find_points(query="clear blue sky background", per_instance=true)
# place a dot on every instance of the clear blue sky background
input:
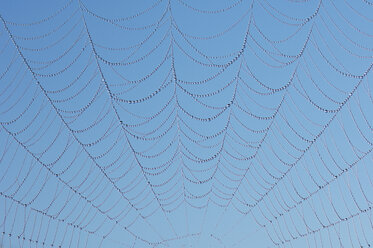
(186, 123)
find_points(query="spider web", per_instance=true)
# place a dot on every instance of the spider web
(175, 123)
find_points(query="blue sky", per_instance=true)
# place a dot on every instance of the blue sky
(186, 123)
